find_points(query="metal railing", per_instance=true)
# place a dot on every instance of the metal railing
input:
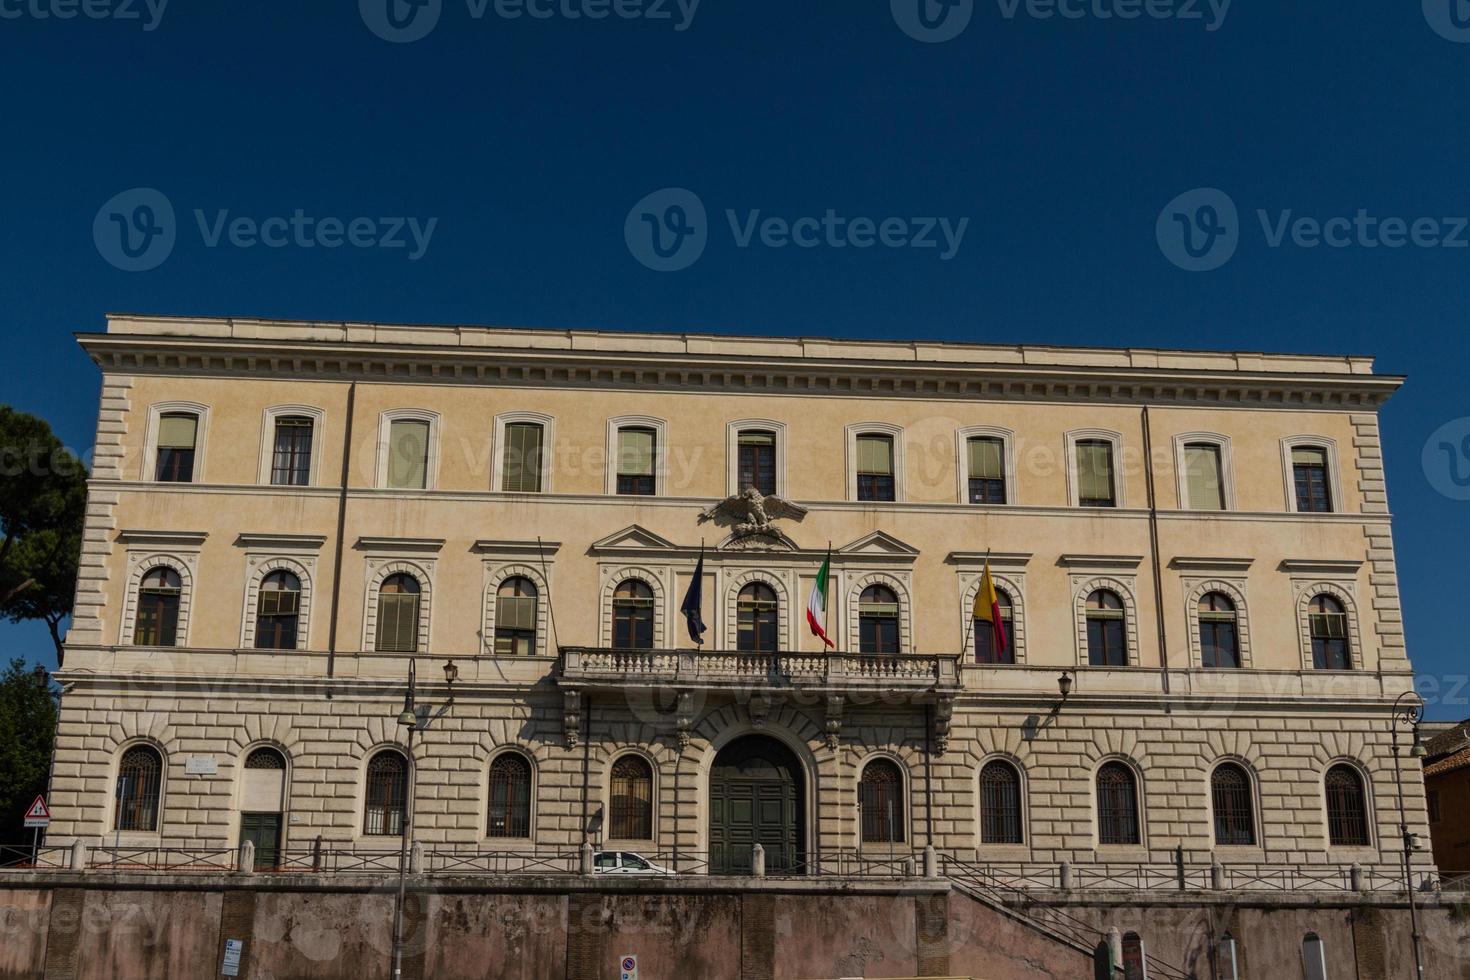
(49, 857)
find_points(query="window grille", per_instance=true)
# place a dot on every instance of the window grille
(139, 785)
(510, 797)
(880, 800)
(1117, 805)
(386, 795)
(1347, 808)
(1230, 795)
(1000, 803)
(632, 799)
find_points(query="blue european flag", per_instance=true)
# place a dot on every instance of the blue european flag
(693, 599)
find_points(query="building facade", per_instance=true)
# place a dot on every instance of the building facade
(1447, 794)
(1194, 547)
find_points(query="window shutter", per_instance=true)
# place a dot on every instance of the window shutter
(522, 458)
(875, 455)
(177, 431)
(1095, 470)
(515, 612)
(1202, 475)
(1310, 455)
(755, 438)
(408, 454)
(635, 452)
(985, 459)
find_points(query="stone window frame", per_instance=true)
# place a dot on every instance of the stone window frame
(496, 573)
(1334, 470)
(905, 788)
(895, 432)
(612, 577)
(511, 843)
(141, 563)
(431, 463)
(1234, 590)
(733, 429)
(113, 772)
(899, 585)
(410, 800)
(1124, 586)
(784, 611)
(1343, 591)
(149, 470)
(257, 567)
(266, 465)
(1022, 788)
(499, 443)
(378, 570)
(1007, 439)
(1120, 483)
(660, 429)
(655, 822)
(1014, 585)
(1227, 469)
(1253, 783)
(1140, 791)
(1370, 807)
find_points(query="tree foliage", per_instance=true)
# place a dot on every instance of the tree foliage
(27, 729)
(43, 498)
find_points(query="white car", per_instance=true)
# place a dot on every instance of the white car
(626, 863)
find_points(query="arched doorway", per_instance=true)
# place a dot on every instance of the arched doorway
(756, 796)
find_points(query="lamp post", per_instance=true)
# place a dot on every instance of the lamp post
(408, 718)
(1408, 713)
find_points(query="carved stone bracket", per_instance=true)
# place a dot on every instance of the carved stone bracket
(760, 708)
(833, 728)
(943, 712)
(684, 718)
(571, 717)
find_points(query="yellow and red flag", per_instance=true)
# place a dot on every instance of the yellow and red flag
(987, 608)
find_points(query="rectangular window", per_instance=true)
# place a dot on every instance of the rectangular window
(875, 467)
(515, 625)
(1433, 800)
(987, 471)
(408, 454)
(637, 451)
(1309, 469)
(1095, 487)
(291, 458)
(398, 623)
(522, 465)
(177, 432)
(1204, 485)
(757, 462)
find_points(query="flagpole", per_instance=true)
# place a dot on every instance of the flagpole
(699, 570)
(970, 617)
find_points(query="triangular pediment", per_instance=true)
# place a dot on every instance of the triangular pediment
(633, 537)
(879, 543)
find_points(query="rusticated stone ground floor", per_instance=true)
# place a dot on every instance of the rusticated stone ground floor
(159, 927)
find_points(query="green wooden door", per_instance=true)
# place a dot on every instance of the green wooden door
(264, 831)
(755, 798)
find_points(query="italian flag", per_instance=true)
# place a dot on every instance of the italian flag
(816, 603)
(987, 607)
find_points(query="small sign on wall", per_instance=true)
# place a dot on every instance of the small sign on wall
(234, 952)
(201, 765)
(628, 967)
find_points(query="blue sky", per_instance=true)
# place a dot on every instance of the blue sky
(528, 139)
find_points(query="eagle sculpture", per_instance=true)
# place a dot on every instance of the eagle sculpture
(751, 512)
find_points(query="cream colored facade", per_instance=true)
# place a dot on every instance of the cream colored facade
(327, 706)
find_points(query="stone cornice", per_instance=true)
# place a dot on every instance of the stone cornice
(1188, 563)
(395, 546)
(272, 541)
(162, 539)
(1321, 566)
(482, 356)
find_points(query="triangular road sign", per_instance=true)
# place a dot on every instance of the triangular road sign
(38, 810)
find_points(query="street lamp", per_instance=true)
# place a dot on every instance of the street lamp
(1408, 713)
(408, 718)
(1064, 684)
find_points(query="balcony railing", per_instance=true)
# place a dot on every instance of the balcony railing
(612, 667)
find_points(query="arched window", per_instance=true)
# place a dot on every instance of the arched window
(1230, 799)
(385, 800)
(756, 461)
(633, 616)
(398, 614)
(157, 624)
(1328, 623)
(1219, 631)
(632, 799)
(139, 787)
(1000, 803)
(757, 619)
(1117, 805)
(277, 612)
(1314, 957)
(880, 802)
(986, 651)
(1347, 807)
(1107, 633)
(515, 618)
(878, 620)
(510, 797)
